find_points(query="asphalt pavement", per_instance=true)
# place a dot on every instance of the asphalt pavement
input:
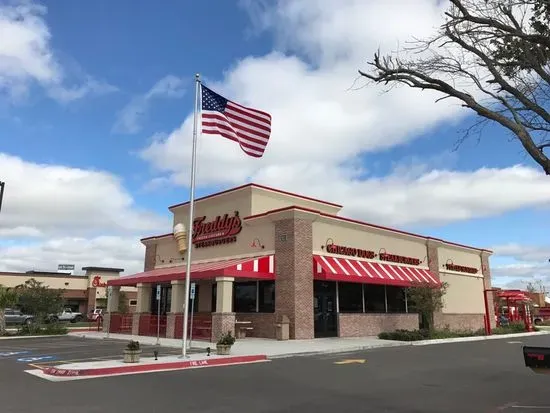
(484, 376)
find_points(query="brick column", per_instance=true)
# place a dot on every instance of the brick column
(433, 257)
(294, 270)
(223, 320)
(177, 302)
(150, 257)
(112, 307)
(486, 271)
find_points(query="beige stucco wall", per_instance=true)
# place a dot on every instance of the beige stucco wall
(371, 239)
(218, 205)
(459, 256)
(74, 282)
(464, 294)
(254, 232)
(264, 200)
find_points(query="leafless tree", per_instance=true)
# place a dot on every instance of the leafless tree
(493, 56)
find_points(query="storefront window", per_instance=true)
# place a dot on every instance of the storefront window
(244, 297)
(350, 297)
(266, 296)
(375, 298)
(396, 299)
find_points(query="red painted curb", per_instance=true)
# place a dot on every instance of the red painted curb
(176, 365)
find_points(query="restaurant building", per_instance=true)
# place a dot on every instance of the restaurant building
(82, 293)
(264, 258)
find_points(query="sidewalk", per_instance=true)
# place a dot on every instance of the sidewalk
(270, 348)
(290, 348)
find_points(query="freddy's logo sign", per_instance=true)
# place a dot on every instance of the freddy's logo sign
(96, 282)
(221, 230)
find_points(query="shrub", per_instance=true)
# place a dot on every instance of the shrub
(133, 346)
(226, 339)
(38, 330)
(424, 334)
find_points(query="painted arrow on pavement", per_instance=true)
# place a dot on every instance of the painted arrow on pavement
(351, 361)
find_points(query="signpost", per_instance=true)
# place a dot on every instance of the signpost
(158, 314)
(192, 298)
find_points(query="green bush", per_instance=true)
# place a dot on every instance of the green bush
(46, 330)
(416, 335)
(510, 329)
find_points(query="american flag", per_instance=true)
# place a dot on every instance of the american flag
(249, 127)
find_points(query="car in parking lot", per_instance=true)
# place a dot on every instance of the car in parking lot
(17, 317)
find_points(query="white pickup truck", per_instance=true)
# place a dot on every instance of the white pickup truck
(67, 315)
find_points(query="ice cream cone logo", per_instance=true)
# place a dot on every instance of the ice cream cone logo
(180, 234)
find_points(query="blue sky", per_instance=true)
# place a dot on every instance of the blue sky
(73, 73)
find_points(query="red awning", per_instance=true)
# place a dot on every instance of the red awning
(262, 268)
(369, 272)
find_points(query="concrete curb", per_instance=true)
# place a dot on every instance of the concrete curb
(145, 368)
(339, 350)
(477, 338)
(26, 337)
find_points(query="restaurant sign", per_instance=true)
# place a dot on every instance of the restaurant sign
(461, 268)
(400, 259)
(352, 252)
(219, 231)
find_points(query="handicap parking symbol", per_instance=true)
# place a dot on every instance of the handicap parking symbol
(35, 358)
(12, 353)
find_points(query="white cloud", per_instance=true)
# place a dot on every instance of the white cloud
(537, 253)
(320, 127)
(130, 116)
(54, 200)
(27, 58)
(55, 214)
(103, 251)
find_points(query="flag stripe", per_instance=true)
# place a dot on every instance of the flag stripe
(217, 117)
(261, 116)
(223, 124)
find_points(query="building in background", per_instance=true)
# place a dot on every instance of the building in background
(263, 257)
(82, 293)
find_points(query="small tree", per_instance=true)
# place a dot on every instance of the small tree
(427, 300)
(8, 297)
(37, 299)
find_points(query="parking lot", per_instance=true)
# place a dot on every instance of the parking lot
(471, 377)
(18, 354)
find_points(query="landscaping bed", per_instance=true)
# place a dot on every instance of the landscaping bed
(417, 335)
(38, 330)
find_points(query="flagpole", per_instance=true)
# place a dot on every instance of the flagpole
(191, 212)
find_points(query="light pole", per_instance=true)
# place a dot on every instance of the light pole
(2, 184)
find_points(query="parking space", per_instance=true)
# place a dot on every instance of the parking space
(21, 354)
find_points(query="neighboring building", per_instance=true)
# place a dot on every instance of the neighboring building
(260, 254)
(82, 293)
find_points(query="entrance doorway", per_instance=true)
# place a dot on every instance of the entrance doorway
(324, 309)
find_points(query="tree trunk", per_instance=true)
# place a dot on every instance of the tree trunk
(2, 322)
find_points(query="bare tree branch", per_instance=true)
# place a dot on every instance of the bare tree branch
(493, 56)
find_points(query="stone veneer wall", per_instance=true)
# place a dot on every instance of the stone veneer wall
(364, 324)
(294, 271)
(263, 324)
(150, 257)
(459, 322)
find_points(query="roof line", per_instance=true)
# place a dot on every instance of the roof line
(354, 221)
(253, 185)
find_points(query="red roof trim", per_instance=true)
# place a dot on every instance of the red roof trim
(157, 236)
(253, 185)
(354, 221)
